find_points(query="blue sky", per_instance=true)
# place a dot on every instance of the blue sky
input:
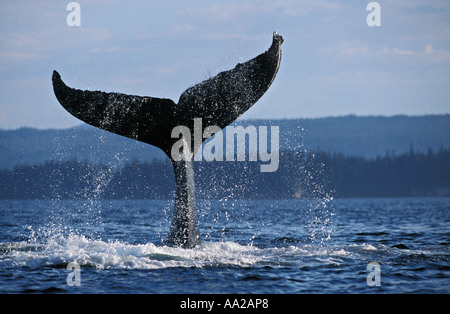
(333, 63)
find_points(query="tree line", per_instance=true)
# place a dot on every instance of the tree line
(303, 174)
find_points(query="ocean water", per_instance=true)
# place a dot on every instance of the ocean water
(249, 246)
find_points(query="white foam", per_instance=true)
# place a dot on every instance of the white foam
(104, 255)
(369, 247)
(58, 252)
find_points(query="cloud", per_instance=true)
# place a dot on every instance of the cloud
(32, 31)
(107, 49)
(429, 48)
(19, 55)
(428, 52)
(402, 52)
(302, 8)
(226, 11)
(350, 51)
(159, 48)
(438, 55)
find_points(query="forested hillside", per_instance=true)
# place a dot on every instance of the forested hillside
(369, 137)
(344, 157)
(300, 175)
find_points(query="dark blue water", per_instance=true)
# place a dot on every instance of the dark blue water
(264, 246)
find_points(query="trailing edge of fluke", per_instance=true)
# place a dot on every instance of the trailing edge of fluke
(218, 101)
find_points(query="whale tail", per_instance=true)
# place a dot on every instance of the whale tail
(218, 101)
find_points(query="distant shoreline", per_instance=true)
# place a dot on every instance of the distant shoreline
(300, 175)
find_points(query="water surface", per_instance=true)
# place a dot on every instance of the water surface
(258, 246)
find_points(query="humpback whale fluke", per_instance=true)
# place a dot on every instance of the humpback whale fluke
(218, 101)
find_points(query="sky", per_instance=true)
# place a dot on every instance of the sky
(333, 64)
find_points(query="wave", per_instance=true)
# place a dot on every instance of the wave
(118, 255)
(98, 254)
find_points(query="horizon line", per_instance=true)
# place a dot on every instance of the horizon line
(82, 124)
